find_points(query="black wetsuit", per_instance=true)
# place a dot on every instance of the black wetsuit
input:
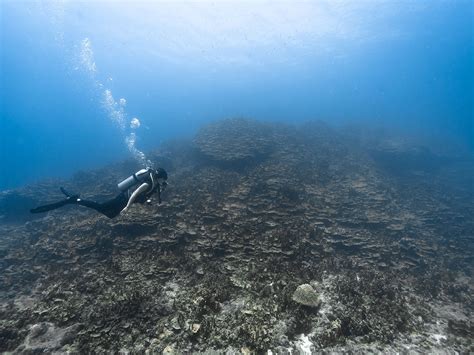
(110, 208)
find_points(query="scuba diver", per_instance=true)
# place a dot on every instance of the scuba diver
(149, 181)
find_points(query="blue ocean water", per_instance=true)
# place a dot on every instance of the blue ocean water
(83, 84)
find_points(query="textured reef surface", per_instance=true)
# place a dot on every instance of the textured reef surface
(270, 237)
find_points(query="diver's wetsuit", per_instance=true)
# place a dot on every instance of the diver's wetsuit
(110, 208)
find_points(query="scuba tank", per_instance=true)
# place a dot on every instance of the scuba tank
(134, 179)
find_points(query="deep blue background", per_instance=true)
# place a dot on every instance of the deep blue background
(396, 64)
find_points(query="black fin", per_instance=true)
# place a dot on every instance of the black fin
(51, 206)
(69, 195)
(63, 190)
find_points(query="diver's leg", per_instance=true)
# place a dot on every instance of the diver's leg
(111, 208)
(52, 206)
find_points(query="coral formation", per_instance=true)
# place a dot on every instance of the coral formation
(270, 237)
(306, 295)
(235, 139)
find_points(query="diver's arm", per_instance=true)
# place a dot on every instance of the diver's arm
(143, 187)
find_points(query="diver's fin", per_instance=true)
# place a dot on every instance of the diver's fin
(69, 195)
(63, 190)
(42, 209)
(50, 207)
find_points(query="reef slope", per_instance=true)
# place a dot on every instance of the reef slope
(377, 238)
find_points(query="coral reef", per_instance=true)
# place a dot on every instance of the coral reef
(270, 237)
(236, 139)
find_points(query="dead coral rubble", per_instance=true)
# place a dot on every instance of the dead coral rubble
(255, 213)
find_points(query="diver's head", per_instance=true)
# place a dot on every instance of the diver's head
(158, 174)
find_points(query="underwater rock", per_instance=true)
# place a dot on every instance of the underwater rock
(306, 295)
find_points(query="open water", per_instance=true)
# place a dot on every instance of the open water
(85, 83)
